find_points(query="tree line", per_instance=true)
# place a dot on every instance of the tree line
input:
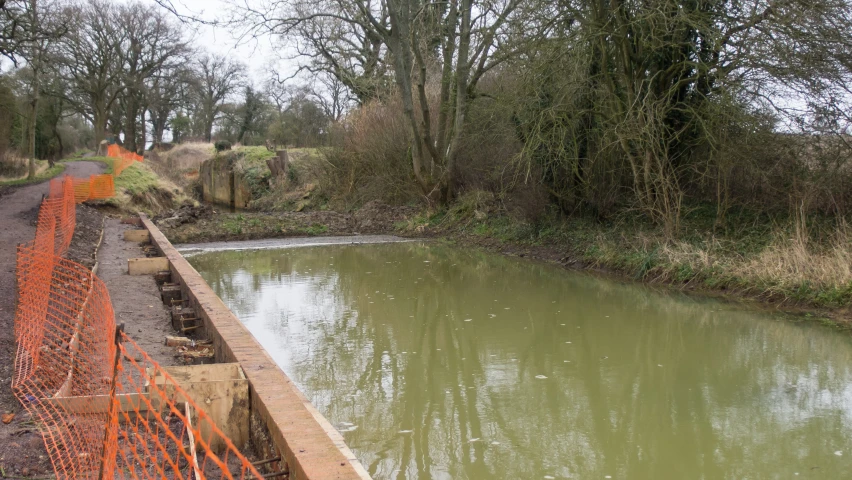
(81, 73)
(597, 106)
(604, 104)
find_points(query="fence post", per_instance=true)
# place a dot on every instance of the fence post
(111, 413)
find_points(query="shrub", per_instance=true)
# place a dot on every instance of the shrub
(369, 158)
(222, 145)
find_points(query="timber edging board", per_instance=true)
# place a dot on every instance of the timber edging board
(314, 450)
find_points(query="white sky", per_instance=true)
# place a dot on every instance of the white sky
(258, 56)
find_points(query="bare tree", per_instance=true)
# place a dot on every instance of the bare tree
(332, 95)
(217, 78)
(154, 45)
(21, 27)
(449, 44)
(35, 52)
(43, 27)
(165, 93)
(334, 37)
(90, 59)
(14, 27)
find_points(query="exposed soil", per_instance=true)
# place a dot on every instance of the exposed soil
(135, 299)
(186, 213)
(21, 448)
(203, 224)
(87, 234)
(377, 218)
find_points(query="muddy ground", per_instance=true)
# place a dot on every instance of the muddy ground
(87, 235)
(22, 451)
(206, 224)
(135, 299)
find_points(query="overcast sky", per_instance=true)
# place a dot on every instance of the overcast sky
(258, 55)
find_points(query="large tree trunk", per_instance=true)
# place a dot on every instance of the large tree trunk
(143, 133)
(462, 78)
(100, 121)
(31, 121)
(208, 130)
(131, 113)
(31, 125)
(401, 48)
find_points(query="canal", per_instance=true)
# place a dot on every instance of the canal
(438, 362)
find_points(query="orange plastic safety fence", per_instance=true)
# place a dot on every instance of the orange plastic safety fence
(162, 432)
(104, 409)
(123, 158)
(82, 189)
(102, 186)
(59, 205)
(65, 329)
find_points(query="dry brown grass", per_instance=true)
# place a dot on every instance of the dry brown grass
(786, 265)
(180, 164)
(13, 167)
(186, 156)
(790, 262)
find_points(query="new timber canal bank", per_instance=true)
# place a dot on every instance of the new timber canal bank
(288, 435)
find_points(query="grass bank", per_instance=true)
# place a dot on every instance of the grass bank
(778, 260)
(773, 260)
(139, 188)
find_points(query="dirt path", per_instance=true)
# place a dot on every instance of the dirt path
(135, 299)
(21, 448)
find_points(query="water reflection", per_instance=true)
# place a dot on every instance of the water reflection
(442, 363)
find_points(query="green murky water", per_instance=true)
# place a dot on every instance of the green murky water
(437, 362)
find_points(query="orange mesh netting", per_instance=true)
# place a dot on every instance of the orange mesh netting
(123, 158)
(102, 186)
(65, 346)
(60, 205)
(104, 409)
(162, 433)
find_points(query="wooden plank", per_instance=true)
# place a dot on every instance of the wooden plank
(222, 391)
(147, 266)
(178, 341)
(196, 470)
(97, 404)
(138, 236)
